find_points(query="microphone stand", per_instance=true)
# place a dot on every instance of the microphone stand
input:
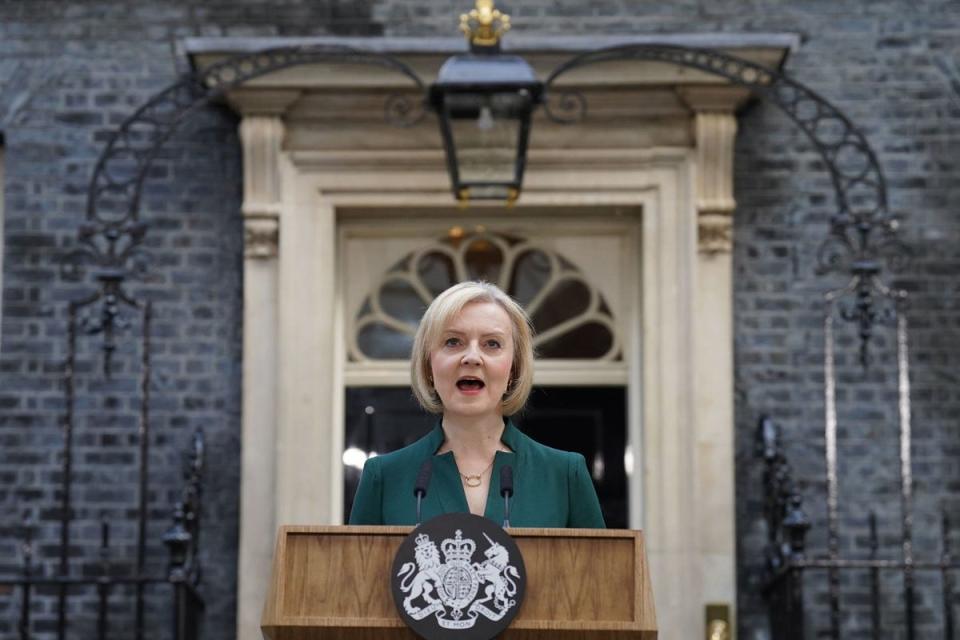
(419, 495)
(506, 490)
(420, 489)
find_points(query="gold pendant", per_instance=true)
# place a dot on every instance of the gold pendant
(471, 481)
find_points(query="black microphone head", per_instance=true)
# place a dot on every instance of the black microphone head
(506, 480)
(423, 478)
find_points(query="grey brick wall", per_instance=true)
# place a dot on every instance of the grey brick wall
(69, 71)
(69, 74)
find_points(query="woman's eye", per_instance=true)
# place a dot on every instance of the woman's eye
(451, 342)
(495, 344)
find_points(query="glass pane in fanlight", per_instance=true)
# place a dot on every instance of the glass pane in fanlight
(486, 149)
(384, 343)
(531, 271)
(399, 300)
(585, 342)
(567, 300)
(436, 271)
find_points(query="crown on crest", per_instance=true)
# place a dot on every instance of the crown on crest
(422, 540)
(458, 548)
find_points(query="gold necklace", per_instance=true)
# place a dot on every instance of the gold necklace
(476, 480)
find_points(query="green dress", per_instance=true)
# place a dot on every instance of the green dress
(552, 488)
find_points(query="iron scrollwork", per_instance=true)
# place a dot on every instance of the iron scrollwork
(788, 561)
(184, 572)
(112, 237)
(863, 232)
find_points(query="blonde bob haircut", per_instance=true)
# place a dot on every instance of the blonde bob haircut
(445, 307)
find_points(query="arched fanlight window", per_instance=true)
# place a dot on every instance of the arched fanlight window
(570, 316)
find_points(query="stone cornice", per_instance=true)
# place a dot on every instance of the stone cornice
(425, 55)
(786, 42)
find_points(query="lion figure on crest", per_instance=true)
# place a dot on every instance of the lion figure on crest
(421, 583)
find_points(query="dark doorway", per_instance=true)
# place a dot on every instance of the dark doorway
(589, 420)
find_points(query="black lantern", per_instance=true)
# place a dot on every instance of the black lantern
(484, 100)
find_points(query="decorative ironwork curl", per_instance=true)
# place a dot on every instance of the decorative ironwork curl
(866, 303)
(402, 110)
(872, 305)
(565, 107)
(110, 317)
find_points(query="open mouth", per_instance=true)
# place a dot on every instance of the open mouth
(470, 384)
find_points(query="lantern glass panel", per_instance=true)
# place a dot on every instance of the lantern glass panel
(486, 135)
(486, 154)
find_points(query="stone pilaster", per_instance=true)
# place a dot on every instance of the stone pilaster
(715, 128)
(261, 135)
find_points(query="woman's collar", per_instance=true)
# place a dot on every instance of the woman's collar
(511, 436)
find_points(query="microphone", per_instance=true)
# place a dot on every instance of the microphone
(506, 490)
(423, 481)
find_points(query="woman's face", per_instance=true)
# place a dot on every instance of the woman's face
(471, 364)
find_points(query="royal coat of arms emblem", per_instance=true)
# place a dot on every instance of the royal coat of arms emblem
(473, 580)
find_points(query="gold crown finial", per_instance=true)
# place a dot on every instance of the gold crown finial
(484, 25)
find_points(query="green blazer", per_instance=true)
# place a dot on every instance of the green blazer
(551, 488)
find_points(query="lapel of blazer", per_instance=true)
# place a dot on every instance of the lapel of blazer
(444, 495)
(446, 487)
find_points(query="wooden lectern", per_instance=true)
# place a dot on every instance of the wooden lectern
(333, 583)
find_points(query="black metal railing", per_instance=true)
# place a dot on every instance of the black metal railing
(788, 562)
(108, 571)
(182, 575)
